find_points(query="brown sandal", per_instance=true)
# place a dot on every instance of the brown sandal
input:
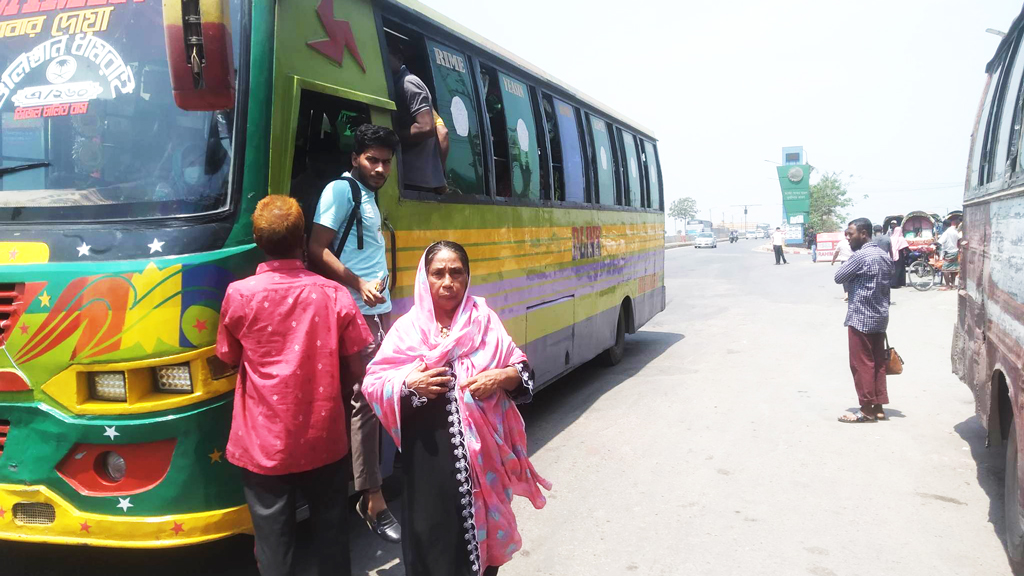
(857, 417)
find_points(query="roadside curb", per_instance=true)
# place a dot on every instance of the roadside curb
(786, 250)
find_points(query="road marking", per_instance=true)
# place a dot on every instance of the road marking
(388, 566)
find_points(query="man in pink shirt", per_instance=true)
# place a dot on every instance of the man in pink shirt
(294, 335)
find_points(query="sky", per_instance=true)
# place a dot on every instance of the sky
(885, 92)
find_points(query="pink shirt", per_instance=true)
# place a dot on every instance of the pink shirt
(285, 328)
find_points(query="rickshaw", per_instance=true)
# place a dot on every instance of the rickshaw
(923, 273)
(897, 218)
(920, 230)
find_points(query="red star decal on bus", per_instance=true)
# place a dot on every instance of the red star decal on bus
(84, 526)
(200, 325)
(178, 528)
(23, 328)
(13, 254)
(339, 36)
(2, 512)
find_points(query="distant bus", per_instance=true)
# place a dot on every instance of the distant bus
(694, 227)
(988, 339)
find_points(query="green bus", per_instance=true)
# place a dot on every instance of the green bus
(136, 138)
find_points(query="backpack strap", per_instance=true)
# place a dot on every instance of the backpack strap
(354, 217)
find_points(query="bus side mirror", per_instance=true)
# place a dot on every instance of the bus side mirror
(199, 54)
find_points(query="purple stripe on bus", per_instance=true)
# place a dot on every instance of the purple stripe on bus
(565, 282)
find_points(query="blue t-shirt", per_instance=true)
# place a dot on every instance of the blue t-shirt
(370, 263)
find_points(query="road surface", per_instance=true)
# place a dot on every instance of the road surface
(714, 449)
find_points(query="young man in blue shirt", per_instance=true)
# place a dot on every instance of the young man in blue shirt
(360, 264)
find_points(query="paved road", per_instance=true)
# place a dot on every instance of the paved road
(713, 449)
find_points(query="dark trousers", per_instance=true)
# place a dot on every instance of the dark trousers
(899, 269)
(271, 502)
(867, 362)
(365, 425)
(779, 254)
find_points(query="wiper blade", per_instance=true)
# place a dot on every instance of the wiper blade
(20, 167)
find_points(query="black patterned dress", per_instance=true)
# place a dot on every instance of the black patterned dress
(438, 532)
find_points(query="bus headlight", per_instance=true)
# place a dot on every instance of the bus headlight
(176, 378)
(108, 386)
(114, 466)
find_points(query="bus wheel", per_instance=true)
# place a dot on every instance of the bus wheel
(1011, 500)
(613, 355)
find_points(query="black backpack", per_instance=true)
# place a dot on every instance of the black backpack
(353, 218)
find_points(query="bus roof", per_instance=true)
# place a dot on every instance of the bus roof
(481, 42)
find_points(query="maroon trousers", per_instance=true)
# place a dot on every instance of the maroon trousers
(867, 362)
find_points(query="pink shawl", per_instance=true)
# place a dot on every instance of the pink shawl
(898, 242)
(492, 429)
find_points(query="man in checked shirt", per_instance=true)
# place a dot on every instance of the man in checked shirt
(866, 276)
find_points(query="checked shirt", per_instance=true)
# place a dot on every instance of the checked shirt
(867, 275)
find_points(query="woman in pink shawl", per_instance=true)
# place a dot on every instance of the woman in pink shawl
(900, 249)
(445, 384)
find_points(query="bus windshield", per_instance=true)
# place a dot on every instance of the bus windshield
(88, 125)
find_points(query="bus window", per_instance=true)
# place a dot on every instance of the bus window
(566, 159)
(521, 170)
(632, 169)
(604, 162)
(496, 118)
(980, 160)
(1006, 114)
(456, 104)
(543, 159)
(324, 142)
(653, 174)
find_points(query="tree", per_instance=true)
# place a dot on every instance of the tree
(829, 198)
(682, 209)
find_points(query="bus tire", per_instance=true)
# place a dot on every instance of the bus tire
(1011, 500)
(613, 355)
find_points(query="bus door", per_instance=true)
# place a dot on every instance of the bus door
(550, 330)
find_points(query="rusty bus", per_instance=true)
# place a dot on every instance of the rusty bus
(988, 342)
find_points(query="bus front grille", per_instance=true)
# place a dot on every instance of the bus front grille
(34, 513)
(5, 429)
(10, 304)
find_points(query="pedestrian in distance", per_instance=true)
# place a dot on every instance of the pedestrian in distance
(900, 253)
(811, 239)
(777, 241)
(296, 338)
(347, 246)
(882, 240)
(445, 384)
(842, 254)
(950, 242)
(867, 274)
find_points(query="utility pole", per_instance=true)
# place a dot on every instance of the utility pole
(745, 213)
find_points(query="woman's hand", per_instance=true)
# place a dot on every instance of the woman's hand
(428, 383)
(486, 383)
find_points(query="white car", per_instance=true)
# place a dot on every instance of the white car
(705, 240)
(753, 234)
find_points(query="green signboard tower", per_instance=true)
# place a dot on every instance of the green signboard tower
(795, 181)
